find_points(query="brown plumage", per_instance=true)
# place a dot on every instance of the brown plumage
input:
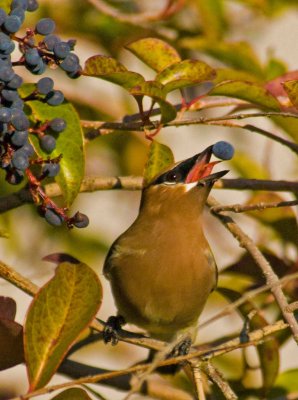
(161, 269)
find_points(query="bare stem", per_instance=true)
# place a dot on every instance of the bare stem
(271, 278)
(239, 208)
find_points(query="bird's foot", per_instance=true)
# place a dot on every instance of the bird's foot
(181, 349)
(112, 328)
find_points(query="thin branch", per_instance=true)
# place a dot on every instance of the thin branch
(92, 184)
(253, 338)
(102, 128)
(18, 280)
(271, 278)
(239, 208)
(217, 378)
(228, 309)
(198, 379)
(137, 19)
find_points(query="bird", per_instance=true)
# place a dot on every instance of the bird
(161, 269)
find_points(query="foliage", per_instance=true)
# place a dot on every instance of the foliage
(177, 65)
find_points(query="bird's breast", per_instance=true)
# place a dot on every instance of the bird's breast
(161, 278)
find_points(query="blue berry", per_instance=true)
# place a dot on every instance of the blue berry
(32, 5)
(39, 68)
(9, 50)
(19, 120)
(19, 138)
(4, 41)
(45, 26)
(45, 85)
(50, 41)
(6, 73)
(20, 160)
(223, 150)
(14, 177)
(15, 82)
(19, 104)
(80, 220)
(3, 16)
(10, 94)
(58, 125)
(19, 12)
(47, 143)
(71, 63)
(52, 217)
(12, 23)
(28, 149)
(32, 56)
(61, 49)
(55, 98)
(5, 114)
(51, 169)
(19, 3)
(71, 43)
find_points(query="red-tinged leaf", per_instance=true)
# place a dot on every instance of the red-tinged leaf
(160, 157)
(238, 55)
(72, 394)
(154, 90)
(111, 70)
(291, 87)
(154, 52)
(249, 91)
(185, 73)
(11, 344)
(60, 311)
(58, 258)
(276, 86)
(8, 308)
(269, 350)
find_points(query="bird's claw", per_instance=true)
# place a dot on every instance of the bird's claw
(112, 328)
(181, 349)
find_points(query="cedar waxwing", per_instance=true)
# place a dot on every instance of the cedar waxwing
(161, 269)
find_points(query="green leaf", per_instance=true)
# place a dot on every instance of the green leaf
(154, 90)
(154, 52)
(249, 91)
(248, 167)
(60, 311)
(238, 55)
(212, 17)
(111, 70)
(159, 158)
(69, 143)
(184, 73)
(11, 344)
(282, 219)
(269, 350)
(286, 383)
(275, 68)
(229, 74)
(72, 394)
(291, 87)
(5, 4)
(289, 125)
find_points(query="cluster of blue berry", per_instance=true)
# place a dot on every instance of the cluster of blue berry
(17, 155)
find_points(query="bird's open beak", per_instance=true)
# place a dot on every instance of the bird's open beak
(201, 168)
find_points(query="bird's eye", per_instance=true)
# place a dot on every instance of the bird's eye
(172, 177)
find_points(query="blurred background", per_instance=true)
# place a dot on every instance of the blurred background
(271, 29)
